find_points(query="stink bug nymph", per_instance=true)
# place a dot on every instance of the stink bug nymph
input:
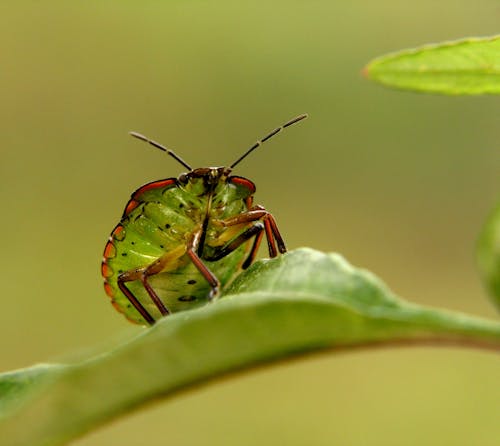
(181, 239)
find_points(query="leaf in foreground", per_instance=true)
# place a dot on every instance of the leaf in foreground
(304, 301)
(465, 67)
(488, 254)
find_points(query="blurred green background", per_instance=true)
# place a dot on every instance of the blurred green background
(399, 183)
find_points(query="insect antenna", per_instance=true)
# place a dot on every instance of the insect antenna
(159, 146)
(271, 134)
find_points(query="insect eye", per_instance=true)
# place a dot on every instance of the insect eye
(183, 178)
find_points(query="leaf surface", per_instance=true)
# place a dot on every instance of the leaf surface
(305, 301)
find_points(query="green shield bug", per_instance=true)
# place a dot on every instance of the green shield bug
(181, 239)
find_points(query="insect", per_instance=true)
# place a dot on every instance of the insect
(181, 239)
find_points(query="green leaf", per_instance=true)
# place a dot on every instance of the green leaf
(302, 302)
(470, 66)
(488, 254)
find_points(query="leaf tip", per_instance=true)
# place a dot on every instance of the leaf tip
(365, 71)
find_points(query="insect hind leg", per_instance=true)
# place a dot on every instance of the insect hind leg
(168, 261)
(141, 275)
(134, 301)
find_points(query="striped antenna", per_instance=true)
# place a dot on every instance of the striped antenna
(159, 146)
(271, 134)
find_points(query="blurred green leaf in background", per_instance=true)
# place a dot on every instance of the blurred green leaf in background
(469, 66)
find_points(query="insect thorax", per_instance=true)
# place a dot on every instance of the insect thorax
(221, 196)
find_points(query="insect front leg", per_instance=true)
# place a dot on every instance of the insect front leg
(192, 247)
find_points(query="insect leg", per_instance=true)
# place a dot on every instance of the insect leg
(271, 228)
(141, 274)
(276, 233)
(252, 231)
(154, 297)
(253, 252)
(271, 244)
(166, 262)
(132, 299)
(205, 272)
